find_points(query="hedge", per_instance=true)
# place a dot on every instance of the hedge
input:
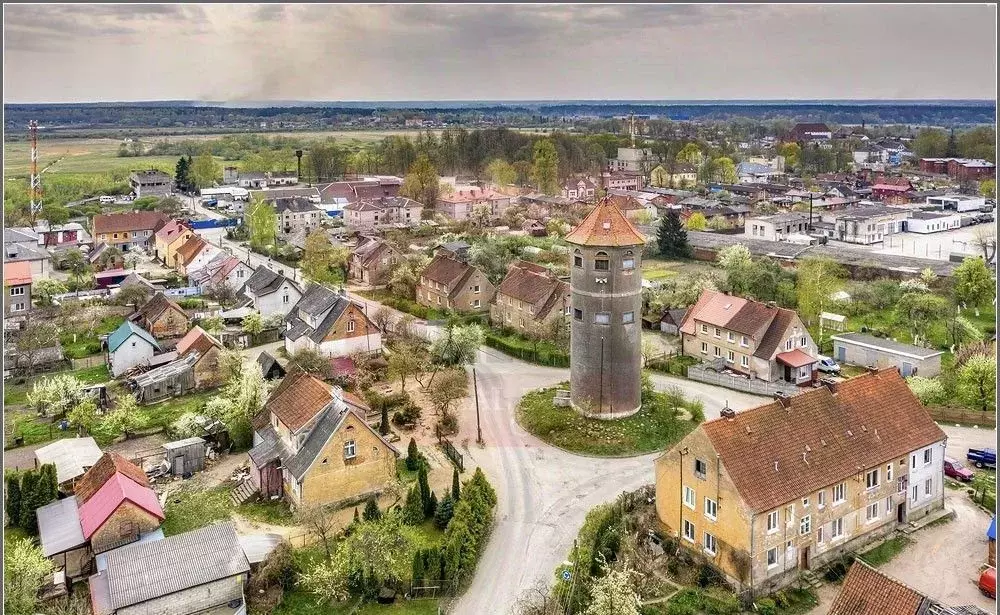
(522, 350)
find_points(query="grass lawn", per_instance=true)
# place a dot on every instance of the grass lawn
(405, 305)
(190, 509)
(658, 269)
(79, 343)
(17, 394)
(162, 414)
(405, 475)
(298, 602)
(275, 512)
(655, 427)
(885, 552)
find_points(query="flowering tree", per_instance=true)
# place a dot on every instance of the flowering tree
(614, 594)
(55, 395)
(24, 570)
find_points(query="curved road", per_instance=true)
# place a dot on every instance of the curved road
(544, 493)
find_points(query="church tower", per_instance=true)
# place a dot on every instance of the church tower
(606, 321)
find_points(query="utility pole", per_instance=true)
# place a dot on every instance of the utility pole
(475, 389)
(36, 179)
(810, 211)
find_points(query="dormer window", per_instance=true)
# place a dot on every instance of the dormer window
(601, 262)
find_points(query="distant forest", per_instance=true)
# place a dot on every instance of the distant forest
(56, 117)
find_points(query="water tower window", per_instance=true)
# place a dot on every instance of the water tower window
(601, 262)
(628, 260)
(578, 259)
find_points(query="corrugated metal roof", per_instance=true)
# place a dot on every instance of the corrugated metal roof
(109, 497)
(59, 527)
(147, 570)
(71, 456)
(258, 546)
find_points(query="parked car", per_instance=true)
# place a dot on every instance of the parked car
(955, 469)
(210, 202)
(988, 582)
(828, 365)
(107, 200)
(983, 457)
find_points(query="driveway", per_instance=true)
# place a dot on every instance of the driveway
(943, 561)
(544, 493)
(961, 439)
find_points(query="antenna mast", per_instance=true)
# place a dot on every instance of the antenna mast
(36, 179)
(631, 127)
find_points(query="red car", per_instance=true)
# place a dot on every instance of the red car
(988, 582)
(955, 469)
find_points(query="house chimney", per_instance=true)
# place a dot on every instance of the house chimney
(783, 399)
(728, 412)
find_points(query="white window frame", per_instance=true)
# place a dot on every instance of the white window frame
(628, 317)
(730, 357)
(689, 497)
(772, 522)
(718, 333)
(711, 544)
(819, 535)
(928, 456)
(872, 479)
(929, 487)
(837, 528)
(476, 303)
(730, 337)
(718, 351)
(704, 328)
(350, 326)
(745, 361)
(871, 512)
(16, 291)
(772, 558)
(350, 449)
(842, 487)
(704, 348)
(888, 473)
(688, 526)
(711, 509)
(743, 341)
(821, 500)
(916, 493)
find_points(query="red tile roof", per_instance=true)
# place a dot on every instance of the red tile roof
(18, 272)
(867, 591)
(116, 491)
(795, 358)
(201, 343)
(295, 401)
(190, 249)
(156, 306)
(134, 221)
(104, 469)
(171, 231)
(446, 270)
(606, 225)
(787, 449)
(534, 285)
(764, 323)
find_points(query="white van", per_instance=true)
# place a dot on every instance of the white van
(107, 200)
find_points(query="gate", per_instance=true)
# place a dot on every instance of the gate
(453, 454)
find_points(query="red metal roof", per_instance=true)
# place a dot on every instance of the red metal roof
(795, 358)
(16, 273)
(119, 488)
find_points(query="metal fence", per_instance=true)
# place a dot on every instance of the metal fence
(740, 383)
(453, 454)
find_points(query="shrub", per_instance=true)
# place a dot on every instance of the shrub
(448, 424)
(766, 606)
(697, 409)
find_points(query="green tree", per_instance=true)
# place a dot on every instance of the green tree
(445, 511)
(738, 264)
(987, 188)
(961, 330)
(974, 284)
(406, 360)
(125, 419)
(55, 395)
(690, 154)
(205, 170)
(614, 593)
(418, 566)
(791, 152)
(262, 223)
(696, 222)
(671, 237)
(31, 499)
(84, 415)
(929, 391)
(421, 182)
(253, 324)
(725, 170)
(951, 150)
(413, 509)
(25, 569)
(12, 484)
(979, 142)
(500, 172)
(412, 456)
(321, 258)
(816, 280)
(919, 311)
(456, 485)
(134, 295)
(372, 512)
(76, 263)
(182, 174)
(545, 167)
(43, 290)
(447, 389)
(383, 425)
(425, 490)
(458, 346)
(977, 383)
(930, 143)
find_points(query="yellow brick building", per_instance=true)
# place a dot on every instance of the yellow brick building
(784, 487)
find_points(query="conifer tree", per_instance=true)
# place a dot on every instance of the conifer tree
(412, 456)
(13, 506)
(456, 486)
(444, 512)
(372, 512)
(425, 491)
(671, 237)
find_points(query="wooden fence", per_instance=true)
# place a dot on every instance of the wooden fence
(961, 416)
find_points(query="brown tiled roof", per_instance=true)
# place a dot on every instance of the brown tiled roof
(446, 270)
(134, 221)
(295, 401)
(201, 344)
(190, 248)
(764, 323)
(606, 225)
(109, 463)
(155, 307)
(753, 318)
(775, 334)
(534, 285)
(867, 591)
(626, 202)
(786, 449)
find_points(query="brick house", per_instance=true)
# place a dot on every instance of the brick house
(373, 261)
(313, 447)
(370, 213)
(128, 230)
(530, 299)
(790, 485)
(16, 288)
(755, 339)
(162, 317)
(169, 239)
(868, 591)
(206, 369)
(331, 324)
(449, 284)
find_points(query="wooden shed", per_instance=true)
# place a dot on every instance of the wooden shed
(185, 457)
(170, 380)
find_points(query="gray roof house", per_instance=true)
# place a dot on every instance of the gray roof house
(312, 324)
(269, 292)
(71, 456)
(871, 351)
(199, 571)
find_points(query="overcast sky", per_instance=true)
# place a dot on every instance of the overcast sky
(89, 53)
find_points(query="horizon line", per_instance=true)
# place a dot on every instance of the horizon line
(306, 102)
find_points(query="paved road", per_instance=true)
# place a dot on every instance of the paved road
(544, 493)
(961, 439)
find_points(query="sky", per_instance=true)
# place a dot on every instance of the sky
(233, 53)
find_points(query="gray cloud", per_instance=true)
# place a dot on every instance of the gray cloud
(426, 51)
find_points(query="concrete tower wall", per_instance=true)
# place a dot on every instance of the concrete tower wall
(605, 375)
